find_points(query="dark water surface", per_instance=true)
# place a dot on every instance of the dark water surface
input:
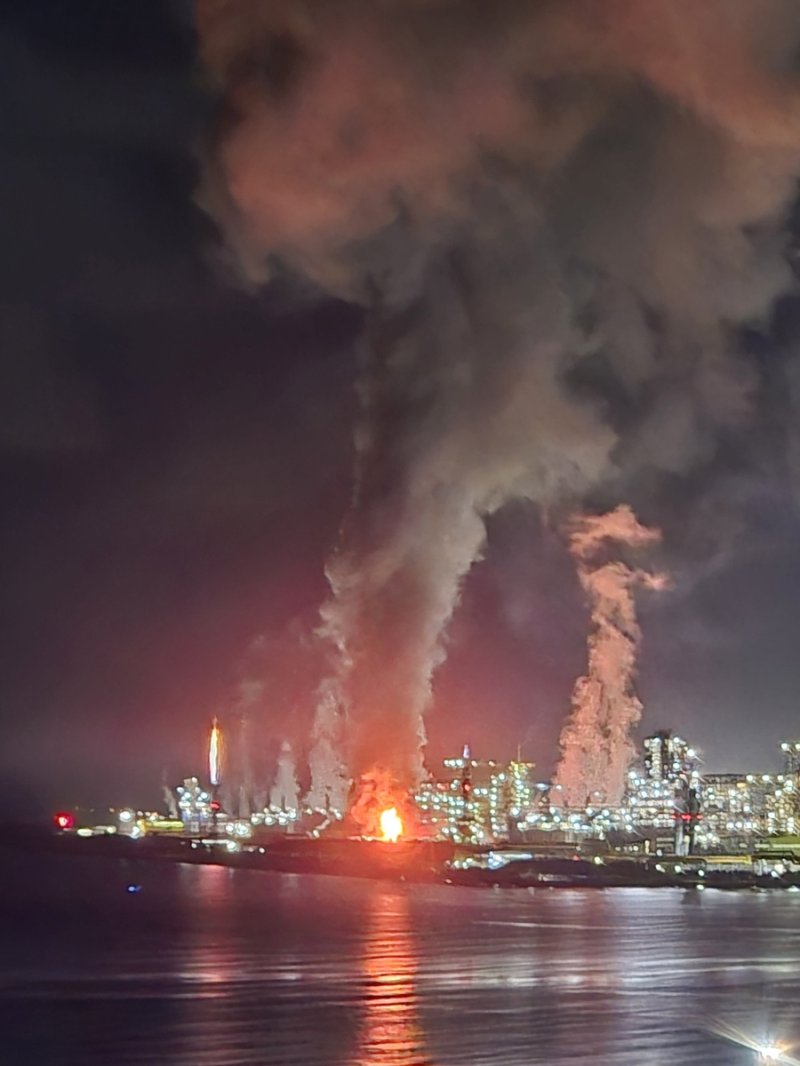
(212, 967)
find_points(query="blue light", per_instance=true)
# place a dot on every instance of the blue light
(134, 888)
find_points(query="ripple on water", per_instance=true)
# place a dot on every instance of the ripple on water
(210, 967)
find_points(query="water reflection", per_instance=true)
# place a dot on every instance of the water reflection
(211, 967)
(390, 1032)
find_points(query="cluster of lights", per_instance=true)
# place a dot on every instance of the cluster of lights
(127, 822)
(239, 828)
(271, 816)
(482, 801)
(746, 805)
(225, 843)
(195, 805)
(667, 757)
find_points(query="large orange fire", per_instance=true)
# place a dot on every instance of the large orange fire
(391, 825)
(379, 807)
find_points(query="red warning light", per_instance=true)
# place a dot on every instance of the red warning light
(64, 820)
(214, 805)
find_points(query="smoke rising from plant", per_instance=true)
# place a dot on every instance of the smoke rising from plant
(556, 216)
(596, 747)
(285, 793)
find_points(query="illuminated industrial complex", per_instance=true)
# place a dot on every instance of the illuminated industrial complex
(670, 804)
(670, 807)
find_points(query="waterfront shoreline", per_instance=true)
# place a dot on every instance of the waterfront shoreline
(430, 862)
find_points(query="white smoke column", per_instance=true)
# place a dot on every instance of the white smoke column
(442, 444)
(247, 702)
(285, 792)
(596, 748)
(330, 781)
(169, 800)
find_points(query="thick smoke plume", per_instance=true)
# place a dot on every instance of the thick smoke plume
(596, 748)
(556, 216)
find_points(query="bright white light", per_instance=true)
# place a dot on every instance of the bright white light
(769, 1053)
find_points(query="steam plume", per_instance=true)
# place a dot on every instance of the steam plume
(330, 782)
(555, 215)
(285, 793)
(596, 748)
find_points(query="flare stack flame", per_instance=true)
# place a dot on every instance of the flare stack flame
(596, 748)
(215, 754)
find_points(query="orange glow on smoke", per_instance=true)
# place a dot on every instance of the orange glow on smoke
(391, 825)
(379, 807)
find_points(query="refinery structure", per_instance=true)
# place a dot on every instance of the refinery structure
(670, 806)
(656, 800)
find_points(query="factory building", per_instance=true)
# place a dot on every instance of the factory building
(478, 801)
(667, 757)
(791, 756)
(195, 808)
(662, 799)
(737, 807)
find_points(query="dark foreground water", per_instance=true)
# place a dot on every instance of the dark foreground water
(211, 967)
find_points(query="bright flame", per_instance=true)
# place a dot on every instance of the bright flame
(214, 760)
(391, 825)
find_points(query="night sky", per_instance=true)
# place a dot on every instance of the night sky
(176, 461)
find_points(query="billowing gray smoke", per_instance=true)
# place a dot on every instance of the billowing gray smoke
(523, 196)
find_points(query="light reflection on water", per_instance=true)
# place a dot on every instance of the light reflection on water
(213, 967)
(390, 1032)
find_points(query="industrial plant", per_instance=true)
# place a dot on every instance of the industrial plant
(477, 817)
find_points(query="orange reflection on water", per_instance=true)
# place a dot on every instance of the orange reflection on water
(390, 1033)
